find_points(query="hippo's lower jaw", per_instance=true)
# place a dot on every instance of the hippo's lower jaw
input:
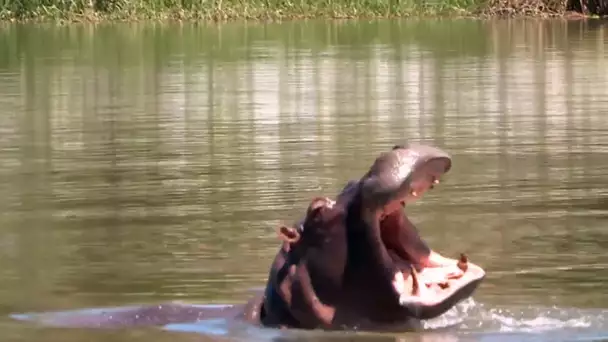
(425, 297)
(424, 292)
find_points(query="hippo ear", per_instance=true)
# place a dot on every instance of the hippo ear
(289, 234)
(317, 205)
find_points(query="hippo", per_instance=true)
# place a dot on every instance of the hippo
(353, 262)
(357, 262)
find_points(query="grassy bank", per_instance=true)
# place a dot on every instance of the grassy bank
(220, 10)
(225, 9)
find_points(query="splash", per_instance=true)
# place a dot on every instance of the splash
(454, 316)
(471, 320)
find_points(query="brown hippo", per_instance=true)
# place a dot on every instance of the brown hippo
(358, 262)
(353, 262)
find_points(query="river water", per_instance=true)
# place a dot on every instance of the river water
(145, 163)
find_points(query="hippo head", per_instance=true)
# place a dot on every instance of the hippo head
(396, 178)
(354, 261)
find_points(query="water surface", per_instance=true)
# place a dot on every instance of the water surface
(143, 163)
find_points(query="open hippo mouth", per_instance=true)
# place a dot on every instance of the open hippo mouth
(426, 291)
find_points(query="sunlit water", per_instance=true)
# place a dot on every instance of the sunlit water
(152, 163)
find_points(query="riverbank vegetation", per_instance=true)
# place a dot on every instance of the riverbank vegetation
(220, 10)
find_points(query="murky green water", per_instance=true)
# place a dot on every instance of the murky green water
(146, 163)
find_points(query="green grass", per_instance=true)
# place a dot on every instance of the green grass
(266, 10)
(220, 10)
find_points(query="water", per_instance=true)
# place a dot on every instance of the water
(144, 163)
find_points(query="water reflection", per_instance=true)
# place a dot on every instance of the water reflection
(147, 162)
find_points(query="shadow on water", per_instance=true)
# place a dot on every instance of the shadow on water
(145, 163)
